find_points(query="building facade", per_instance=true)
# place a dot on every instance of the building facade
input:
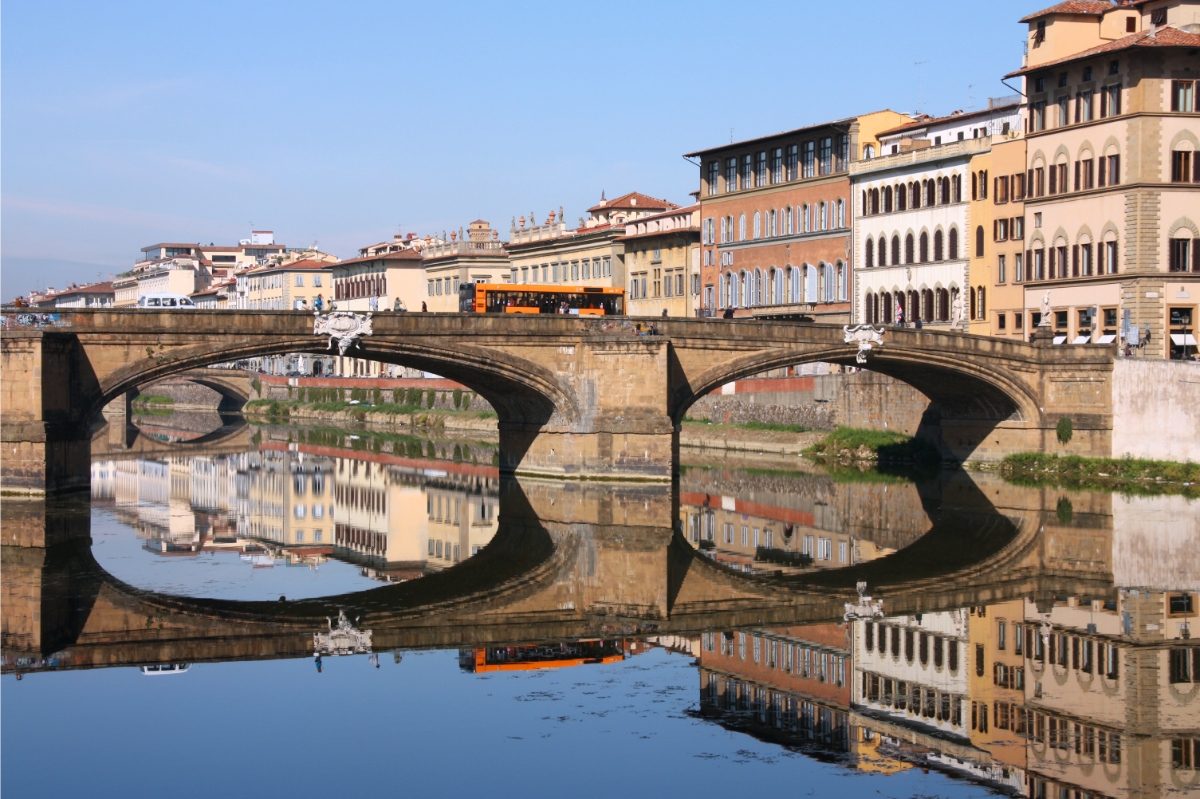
(775, 220)
(476, 257)
(662, 259)
(1112, 230)
(913, 236)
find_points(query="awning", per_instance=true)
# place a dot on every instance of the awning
(1059, 340)
(1083, 339)
(1107, 338)
(1183, 339)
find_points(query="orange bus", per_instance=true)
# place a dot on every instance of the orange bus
(526, 657)
(539, 299)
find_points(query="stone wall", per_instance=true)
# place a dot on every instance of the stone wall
(1156, 409)
(184, 393)
(818, 402)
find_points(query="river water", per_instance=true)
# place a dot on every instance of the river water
(314, 612)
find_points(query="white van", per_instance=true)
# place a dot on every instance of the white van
(175, 302)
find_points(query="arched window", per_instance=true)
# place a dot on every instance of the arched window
(758, 287)
(824, 219)
(952, 244)
(971, 299)
(887, 199)
(909, 249)
(930, 193)
(805, 218)
(974, 187)
(956, 188)
(979, 241)
(757, 225)
(924, 252)
(778, 283)
(795, 285)
(938, 252)
(927, 305)
(869, 253)
(787, 221)
(827, 279)
(841, 282)
(841, 214)
(901, 198)
(896, 250)
(882, 251)
(886, 307)
(742, 227)
(914, 191)
(874, 195)
(981, 304)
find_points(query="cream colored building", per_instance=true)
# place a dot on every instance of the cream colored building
(662, 260)
(292, 285)
(591, 254)
(478, 256)
(1113, 139)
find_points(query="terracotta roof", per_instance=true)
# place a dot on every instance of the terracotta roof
(806, 128)
(1089, 8)
(402, 255)
(92, 288)
(1159, 37)
(926, 122)
(304, 265)
(633, 199)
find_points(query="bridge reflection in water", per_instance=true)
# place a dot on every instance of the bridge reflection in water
(1032, 645)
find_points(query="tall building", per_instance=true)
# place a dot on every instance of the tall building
(913, 236)
(1112, 229)
(775, 219)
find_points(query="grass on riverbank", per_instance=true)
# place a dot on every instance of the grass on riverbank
(1124, 475)
(282, 409)
(153, 405)
(854, 443)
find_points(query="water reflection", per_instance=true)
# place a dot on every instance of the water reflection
(1027, 641)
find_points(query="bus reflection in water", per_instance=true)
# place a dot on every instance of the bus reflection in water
(525, 657)
(543, 299)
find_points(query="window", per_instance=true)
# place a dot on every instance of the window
(1185, 753)
(1064, 111)
(1185, 665)
(1185, 167)
(1083, 106)
(761, 175)
(1110, 101)
(1184, 255)
(1001, 271)
(1158, 16)
(747, 171)
(1037, 116)
(731, 174)
(793, 159)
(1183, 95)
(777, 165)
(714, 172)
(979, 241)
(826, 155)
(810, 151)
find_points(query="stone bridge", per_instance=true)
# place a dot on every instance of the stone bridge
(581, 398)
(571, 560)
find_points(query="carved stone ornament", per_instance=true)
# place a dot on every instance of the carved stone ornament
(342, 639)
(344, 327)
(865, 607)
(867, 338)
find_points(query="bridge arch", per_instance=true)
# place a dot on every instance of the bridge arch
(516, 388)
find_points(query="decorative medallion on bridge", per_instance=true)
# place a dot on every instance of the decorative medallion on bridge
(342, 639)
(866, 337)
(344, 327)
(865, 607)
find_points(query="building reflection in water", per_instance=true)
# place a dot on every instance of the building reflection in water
(396, 519)
(1062, 696)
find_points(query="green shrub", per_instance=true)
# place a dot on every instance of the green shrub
(1064, 430)
(458, 395)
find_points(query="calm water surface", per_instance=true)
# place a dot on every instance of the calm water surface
(541, 637)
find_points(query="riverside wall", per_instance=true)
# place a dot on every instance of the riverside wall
(1156, 409)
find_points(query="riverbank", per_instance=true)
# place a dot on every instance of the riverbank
(1123, 475)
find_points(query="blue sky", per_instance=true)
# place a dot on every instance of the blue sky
(128, 123)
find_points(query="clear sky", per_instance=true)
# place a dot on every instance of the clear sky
(129, 123)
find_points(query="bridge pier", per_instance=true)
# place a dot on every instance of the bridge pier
(45, 449)
(620, 429)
